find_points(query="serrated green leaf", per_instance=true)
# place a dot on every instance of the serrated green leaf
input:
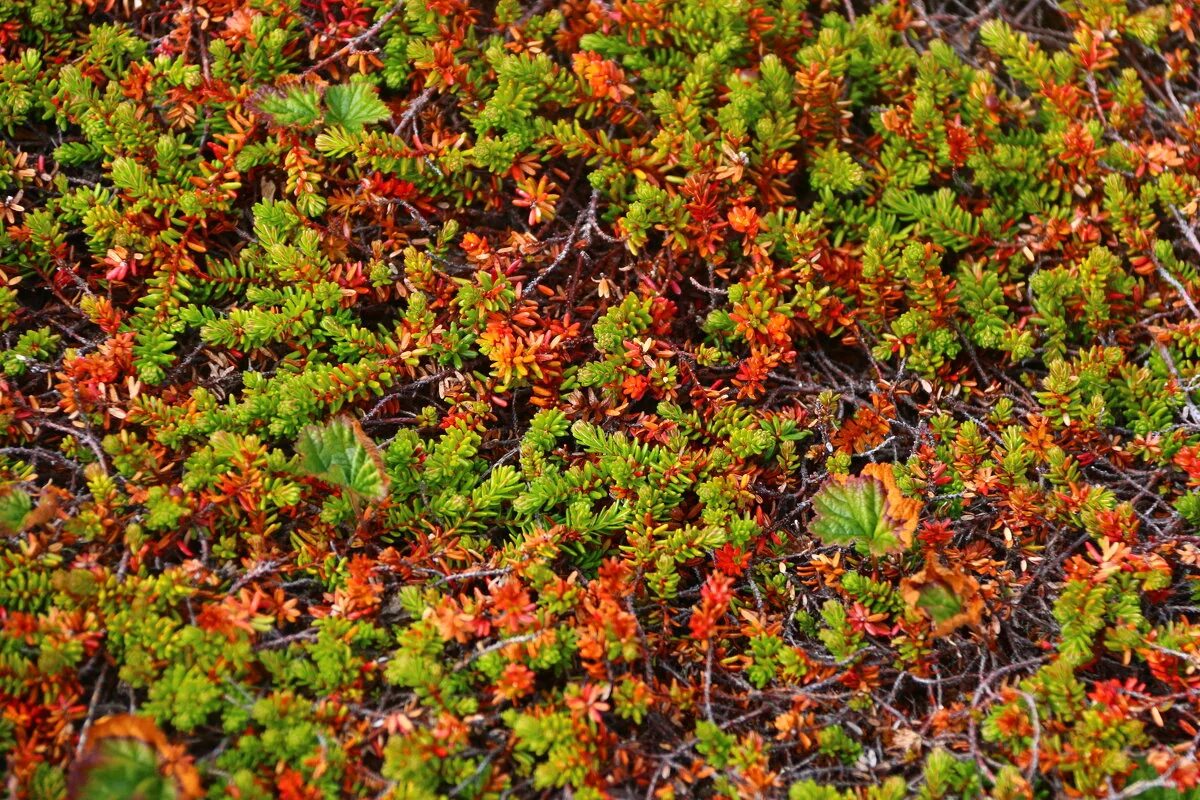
(866, 512)
(354, 105)
(852, 514)
(340, 454)
(299, 108)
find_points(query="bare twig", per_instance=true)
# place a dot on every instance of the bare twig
(353, 44)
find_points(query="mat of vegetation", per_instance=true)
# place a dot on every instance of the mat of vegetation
(599, 399)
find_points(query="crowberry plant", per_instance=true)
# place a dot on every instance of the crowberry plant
(647, 398)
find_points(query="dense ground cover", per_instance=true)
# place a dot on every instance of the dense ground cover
(590, 399)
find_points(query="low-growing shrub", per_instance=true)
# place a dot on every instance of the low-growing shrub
(645, 398)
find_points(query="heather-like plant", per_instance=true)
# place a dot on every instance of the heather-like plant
(650, 398)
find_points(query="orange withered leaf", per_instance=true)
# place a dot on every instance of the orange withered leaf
(128, 756)
(948, 597)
